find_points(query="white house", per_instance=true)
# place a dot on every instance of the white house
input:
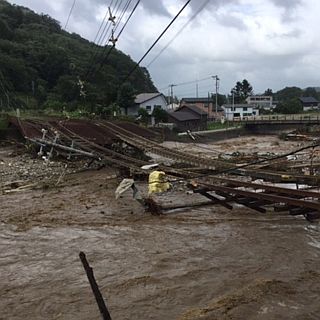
(149, 102)
(264, 102)
(239, 111)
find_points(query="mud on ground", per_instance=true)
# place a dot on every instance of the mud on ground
(206, 263)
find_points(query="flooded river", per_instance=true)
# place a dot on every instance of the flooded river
(206, 263)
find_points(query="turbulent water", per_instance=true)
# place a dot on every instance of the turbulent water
(208, 263)
(243, 265)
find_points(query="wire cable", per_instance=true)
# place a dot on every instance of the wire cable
(105, 58)
(125, 24)
(70, 12)
(102, 23)
(156, 41)
(101, 39)
(105, 35)
(178, 33)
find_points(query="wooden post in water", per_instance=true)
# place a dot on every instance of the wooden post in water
(95, 289)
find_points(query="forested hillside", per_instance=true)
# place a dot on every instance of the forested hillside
(41, 64)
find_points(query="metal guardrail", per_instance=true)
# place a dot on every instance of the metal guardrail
(279, 117)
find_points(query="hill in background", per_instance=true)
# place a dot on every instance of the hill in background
(41, 64)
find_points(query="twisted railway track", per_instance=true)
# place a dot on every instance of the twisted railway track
(153, 147)
(219, 190)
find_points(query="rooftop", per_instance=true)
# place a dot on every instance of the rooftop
(195, 100)
(183, 116)
(193, 108)
(308, 100)
(143, 97)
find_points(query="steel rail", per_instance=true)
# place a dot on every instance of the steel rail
(139, 163)
(279, 190)
(150, 146)
(273, 199)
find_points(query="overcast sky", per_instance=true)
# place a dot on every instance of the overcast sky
(271, 43)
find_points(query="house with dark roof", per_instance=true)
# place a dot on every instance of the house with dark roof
(149, 102)
(205, 104)
(188, 118)
(309, 103)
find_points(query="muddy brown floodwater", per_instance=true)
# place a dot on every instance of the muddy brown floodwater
(206, 263)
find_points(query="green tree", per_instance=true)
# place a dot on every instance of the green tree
(242, 91)
(160, 115)
(6, 32)
(310, 92)
(34, 49)
(289, 106)
(126, 96)
(144, 115)
(288, 93)
(268, 92)
(67, 88)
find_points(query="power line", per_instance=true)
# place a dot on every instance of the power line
(101, 39)
(178, 33)
(104, 34)
(70, 12)
(187, 83)
(102, 23)
(125, 24)
(123, 27)
(192, 81)
(104, 59)
(157, 40)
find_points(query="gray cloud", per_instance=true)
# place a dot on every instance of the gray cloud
(296, 33)
(287, 4)
(289, 7)
(230, 22)
(212, 4)
(232, 38)
(156, 7)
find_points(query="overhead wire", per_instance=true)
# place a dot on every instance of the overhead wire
(105, 33)
(105, 57)
(69, 15)
(178, 33)
(125, 24)
(101, 39)
(102, 23)
(188, 83)
(156, 41)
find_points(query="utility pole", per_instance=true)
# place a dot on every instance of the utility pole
(197, 90)
(217, 88)
(232, 100)
(171, 92)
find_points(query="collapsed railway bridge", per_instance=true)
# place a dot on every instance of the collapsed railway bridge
(107, 143)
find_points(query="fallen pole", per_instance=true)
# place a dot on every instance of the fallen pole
(95, 289)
